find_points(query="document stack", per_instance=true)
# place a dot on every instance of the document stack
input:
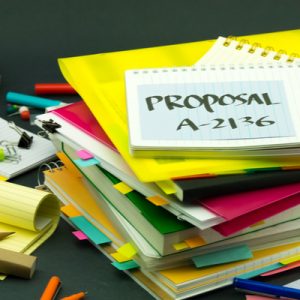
(183, 205)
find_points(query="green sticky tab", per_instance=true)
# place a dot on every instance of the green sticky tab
(86, 163)
(93, 233)
(2, 155)
(223, 256)
(260, 271)
(127, 265)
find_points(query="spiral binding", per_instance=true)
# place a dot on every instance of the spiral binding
(51, 166)
(266, 50)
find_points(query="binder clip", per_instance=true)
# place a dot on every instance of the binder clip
(8, 152)
(25, 140)
(50, 126)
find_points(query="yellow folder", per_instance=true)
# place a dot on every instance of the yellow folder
(99, 79)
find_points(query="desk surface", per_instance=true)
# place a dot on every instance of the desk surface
(34, 34)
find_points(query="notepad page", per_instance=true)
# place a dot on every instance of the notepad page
(214, 107)
(40, 151)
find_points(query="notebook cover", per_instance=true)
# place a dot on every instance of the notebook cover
(194, 189)
(79, 115)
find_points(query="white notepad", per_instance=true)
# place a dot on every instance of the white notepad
(40, 151)
(214, 107)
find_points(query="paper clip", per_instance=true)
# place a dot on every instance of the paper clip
(50, 126)
(9, 152)
(25, 140)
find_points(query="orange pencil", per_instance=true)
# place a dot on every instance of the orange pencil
(77, 296)
(51, 289)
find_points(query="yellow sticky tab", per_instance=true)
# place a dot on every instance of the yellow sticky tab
(180, 246)
(127, 250)
(157, 200)
(120, 257)
(290, 260)
(2, 178)
(123, 188)
(258, 223)
(70, 211)
(167, 186)
(68, 164)
(194, 242)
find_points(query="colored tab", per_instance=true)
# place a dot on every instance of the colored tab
(131, 264)
(258, 223)
(123, 188)
(84, 154)
(232, 254)
(70, 211)
(284, 268)
(260, 271)
(194, 242)
(290, 260)
(157, 200)
(68, 164)
(2, 178)
(93, 233)
(120, 257)
(180, 246)
(167, 186)
(86, 163)
(80, 235)
(127, 250)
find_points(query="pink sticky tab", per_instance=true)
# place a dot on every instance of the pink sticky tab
(80, 235)
(84, 154)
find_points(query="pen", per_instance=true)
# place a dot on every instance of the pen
(77, 296)
(258, 287)
(32, 101)
(51, 289)
(54, 89)
(5, 234)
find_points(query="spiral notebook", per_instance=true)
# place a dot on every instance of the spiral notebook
(237, 108)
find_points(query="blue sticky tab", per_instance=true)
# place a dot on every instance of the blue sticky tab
(86, 163)
(127, 265)
(260, 271)
(223, 256)
(93, 233)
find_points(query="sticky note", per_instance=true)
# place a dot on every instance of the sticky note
(120, 257)
(84, 154)
(93, 233)
(80, 235)
(195, 242)
(2, 178)
(236, 253)
(290, 260)
(282, 269)
(68, 164)
(86, 163)
(166, 186)
(157, 200)
(70, 211)
(131, 264)
(127, 250)
(123, 188)
(180, 246)
(256, 297)
(260, 271)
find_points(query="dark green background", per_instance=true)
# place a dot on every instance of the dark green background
(33, 34)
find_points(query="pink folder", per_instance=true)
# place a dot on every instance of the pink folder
(240, 210)
(79, 115)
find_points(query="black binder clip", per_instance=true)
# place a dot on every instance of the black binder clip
(50, 126)
(25, 140)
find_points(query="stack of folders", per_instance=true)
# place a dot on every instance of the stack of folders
(180, 225)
